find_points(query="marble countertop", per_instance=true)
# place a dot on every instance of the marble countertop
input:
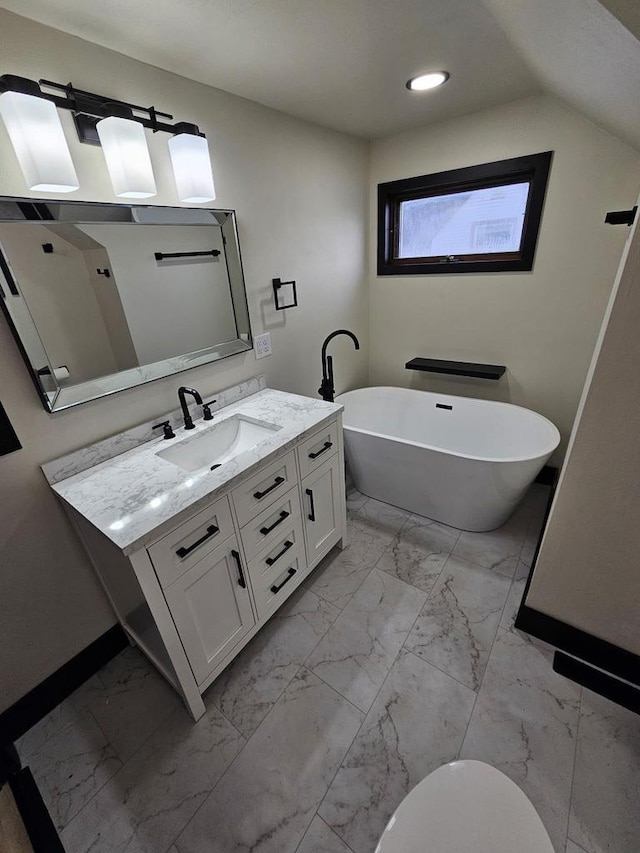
(136, 497)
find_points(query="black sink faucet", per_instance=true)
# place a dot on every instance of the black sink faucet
(326, 389)
(188, 421)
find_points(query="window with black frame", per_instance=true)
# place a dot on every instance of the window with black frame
(478, 219)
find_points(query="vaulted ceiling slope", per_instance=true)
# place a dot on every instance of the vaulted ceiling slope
(344, 63)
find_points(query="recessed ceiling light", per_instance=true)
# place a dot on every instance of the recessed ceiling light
(427, 81)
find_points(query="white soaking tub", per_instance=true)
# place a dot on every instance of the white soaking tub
(464, 462)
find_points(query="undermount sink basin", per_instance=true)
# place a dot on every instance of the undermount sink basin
(218, 444)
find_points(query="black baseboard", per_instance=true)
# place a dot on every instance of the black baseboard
(37, 821)
(548, 476)
(29, 710)
(600, 682)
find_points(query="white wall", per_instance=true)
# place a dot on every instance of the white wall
(542, 324)
(300, 196)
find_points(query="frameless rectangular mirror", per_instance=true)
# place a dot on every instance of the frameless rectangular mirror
(103, 297)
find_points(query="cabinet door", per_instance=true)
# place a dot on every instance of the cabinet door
(211, 607)
(321, 509)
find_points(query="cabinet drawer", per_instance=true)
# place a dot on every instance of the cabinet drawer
(264, 488)
(312, 452)
(289, 544)
(272, 587)
(176, 552)
(268, 527)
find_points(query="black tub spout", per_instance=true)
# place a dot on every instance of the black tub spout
(326, 389)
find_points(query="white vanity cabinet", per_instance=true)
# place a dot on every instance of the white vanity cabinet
(322, 514)
(211, 607)
(195, 596)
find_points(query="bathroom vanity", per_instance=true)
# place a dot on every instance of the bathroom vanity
(195, 557)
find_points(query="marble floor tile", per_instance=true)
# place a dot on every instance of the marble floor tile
(525, 723)
(70, 758)
(527, 553)
(573, 848)
(605, 809)
(514, 600)
(416, 724)
(357, 652)
(135, 700)
(378, 519)
(418, 552)
(319, 838)
(355, 499)
(271, 792)
(340, 574)
(457, 626)
(498, 550)
(522, 569)
(151, 799)
(251, 685)
(510, 612)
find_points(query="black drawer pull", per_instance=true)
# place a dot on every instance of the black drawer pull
(275, 588)
(277, 482)
(271, 560)
(265, 530)
(312, 509)
(325, 447)
(211, 531)
(241, 581)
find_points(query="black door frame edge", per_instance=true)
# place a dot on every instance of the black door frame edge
(574, 641)
(599, 682)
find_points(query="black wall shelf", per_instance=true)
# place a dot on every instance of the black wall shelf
(457, 368)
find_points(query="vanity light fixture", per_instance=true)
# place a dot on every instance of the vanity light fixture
(126, 153)
(29, 112)
(427, 81)
(36, 133)
(191, 164)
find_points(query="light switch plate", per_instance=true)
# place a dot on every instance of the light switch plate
(262, 345)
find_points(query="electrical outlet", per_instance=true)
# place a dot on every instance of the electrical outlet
(262, 345)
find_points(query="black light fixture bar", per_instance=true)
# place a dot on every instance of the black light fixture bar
(90, 107)
(75, 99)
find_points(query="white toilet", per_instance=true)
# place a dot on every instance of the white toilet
(465, 807)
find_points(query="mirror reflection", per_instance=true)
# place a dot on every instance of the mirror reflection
(104, 297)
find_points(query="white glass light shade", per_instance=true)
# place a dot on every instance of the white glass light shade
(125, 150)
(192, 168)
(35, 131)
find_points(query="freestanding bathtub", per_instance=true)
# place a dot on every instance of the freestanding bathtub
(464, 462)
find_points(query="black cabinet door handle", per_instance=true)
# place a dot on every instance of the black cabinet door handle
(277, 482)
(275, 588)
(265, 530)
(241, 581)
(312, 509)
(211, 531)
(271, 560)
(325, 447)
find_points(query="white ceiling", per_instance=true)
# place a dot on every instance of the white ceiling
(344, 63)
